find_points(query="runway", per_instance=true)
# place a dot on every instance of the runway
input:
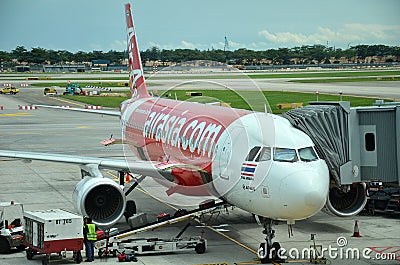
(240, 81)
(40, 185)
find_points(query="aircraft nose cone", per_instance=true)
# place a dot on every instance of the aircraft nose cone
(314, 198)
(304, 193)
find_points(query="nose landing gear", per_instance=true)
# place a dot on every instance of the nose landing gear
(269, 251)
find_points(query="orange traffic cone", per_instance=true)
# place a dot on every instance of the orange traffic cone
(127, 178)
(356, 231)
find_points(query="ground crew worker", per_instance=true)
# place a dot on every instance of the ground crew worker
(89, 237)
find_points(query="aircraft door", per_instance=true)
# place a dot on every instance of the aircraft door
(227, 162)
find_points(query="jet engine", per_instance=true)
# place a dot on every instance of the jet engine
(101, 199)
(347, 200)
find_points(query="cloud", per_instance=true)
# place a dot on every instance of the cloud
(118, 45)
(372, 31)
(360, 33)
(182, 45)
(188, 45)
(353, 34)
(232, 45)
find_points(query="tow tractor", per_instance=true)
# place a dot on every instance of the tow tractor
(73, 89)
(12, 230)
(126, 242)
(9, 90)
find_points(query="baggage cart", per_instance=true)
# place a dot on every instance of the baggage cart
(53, 231)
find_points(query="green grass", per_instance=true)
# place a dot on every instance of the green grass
(240, 101)
(328, 74)
(284, 75)
(244, 75)
(243, 99)
(82, 84)
(353, 79)
(112, 102)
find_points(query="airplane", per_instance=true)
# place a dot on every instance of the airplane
(256, 161)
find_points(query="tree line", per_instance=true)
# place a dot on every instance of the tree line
(297, 55)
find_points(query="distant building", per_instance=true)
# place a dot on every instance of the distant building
(100, 65)
(22, 68)
(64, 68)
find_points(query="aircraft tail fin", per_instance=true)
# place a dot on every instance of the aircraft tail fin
(136, 78)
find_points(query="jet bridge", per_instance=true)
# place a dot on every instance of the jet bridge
(360, 145)
(327, 125)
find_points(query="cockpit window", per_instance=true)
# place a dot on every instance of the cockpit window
(285, 155)
(264, 155)
(307, 154)
(253, 152)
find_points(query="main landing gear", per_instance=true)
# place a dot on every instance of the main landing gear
(130, 204)
(269, 251)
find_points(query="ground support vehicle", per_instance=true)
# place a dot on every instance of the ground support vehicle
(53, 231)
(51, 91)
(383, 198)
(127, 242)
(11, 228)
(9, 90)
(73, 89)
(155, 245)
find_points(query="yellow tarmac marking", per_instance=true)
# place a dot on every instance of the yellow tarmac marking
(231, 239)
(219, 263)
(83, 127)
(69, 102)
(18, 114)
(209, 227)
(24, 133)
(29, 163)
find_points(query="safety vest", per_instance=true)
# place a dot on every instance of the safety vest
(91, 235)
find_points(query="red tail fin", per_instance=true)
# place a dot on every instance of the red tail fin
(136, 77)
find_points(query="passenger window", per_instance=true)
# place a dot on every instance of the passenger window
(285, 155)
(307, 154)
(265, 154)
(253, 152)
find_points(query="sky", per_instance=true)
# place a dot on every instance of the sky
(88, 25)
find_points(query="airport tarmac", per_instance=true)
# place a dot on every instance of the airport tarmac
(41, 185)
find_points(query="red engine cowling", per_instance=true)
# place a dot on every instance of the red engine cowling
(101, 199)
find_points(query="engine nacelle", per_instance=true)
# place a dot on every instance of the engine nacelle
(346, 203)
(101, 199)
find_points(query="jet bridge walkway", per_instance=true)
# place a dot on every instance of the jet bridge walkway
(327, 124)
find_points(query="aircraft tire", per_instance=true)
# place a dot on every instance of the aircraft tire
(4, 246)
(200, 248)
(130, 209)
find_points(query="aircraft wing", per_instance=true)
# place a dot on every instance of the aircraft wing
(96, 111)
(146, 168)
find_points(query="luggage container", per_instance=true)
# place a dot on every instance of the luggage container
(53, 231)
